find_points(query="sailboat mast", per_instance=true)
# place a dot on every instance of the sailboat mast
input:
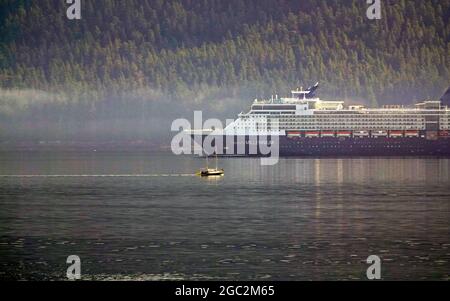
(217, 166)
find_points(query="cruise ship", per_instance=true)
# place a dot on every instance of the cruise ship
(306, 125)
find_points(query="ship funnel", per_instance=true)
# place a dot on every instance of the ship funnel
(312, 90)
(445, 99)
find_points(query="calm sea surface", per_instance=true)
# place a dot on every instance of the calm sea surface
(145, 216)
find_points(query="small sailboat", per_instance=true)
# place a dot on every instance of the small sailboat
(211, 172)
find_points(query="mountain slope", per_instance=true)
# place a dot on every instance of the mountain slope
(124, 56)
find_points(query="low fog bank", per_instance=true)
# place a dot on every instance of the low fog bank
(33, 118)
(139, 118)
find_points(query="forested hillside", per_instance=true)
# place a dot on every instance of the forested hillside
(128, 65)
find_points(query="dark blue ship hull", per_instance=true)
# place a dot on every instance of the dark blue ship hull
(333, 146)
(364, 147)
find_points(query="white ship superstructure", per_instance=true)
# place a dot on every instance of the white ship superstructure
(305, 125)
(304, 114)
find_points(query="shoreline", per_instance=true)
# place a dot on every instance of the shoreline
(68, 146)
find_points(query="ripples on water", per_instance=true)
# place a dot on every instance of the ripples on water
(135, 216)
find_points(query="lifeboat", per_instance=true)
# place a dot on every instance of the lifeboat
(412, 133)
(444, 134)
(396, 134)
(294, 134)
(312, 134)
(379, 134)
(344, 134)
(361, 134)
(328, 134)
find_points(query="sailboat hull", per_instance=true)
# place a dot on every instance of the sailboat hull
(212, 173)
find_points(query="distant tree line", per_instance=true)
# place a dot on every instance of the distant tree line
(187, 52)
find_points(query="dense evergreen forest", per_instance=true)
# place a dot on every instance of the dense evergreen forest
(128, 67)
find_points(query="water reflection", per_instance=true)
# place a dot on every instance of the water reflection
(302, 219)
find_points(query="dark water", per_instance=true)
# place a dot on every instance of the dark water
(304, 219)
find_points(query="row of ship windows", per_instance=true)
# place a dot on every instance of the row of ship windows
(432, 113)
(370, 120)
(341, 128)
(349, 119)
(341, 119)
(341, 122)
(323, 145)
(352, 125)
(365, 117)
(356, 128)
(345, 122)
(336, 124)
(357, 140)
(372, 115)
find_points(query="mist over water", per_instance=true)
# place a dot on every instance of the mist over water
(302, 219)
(33, 116)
